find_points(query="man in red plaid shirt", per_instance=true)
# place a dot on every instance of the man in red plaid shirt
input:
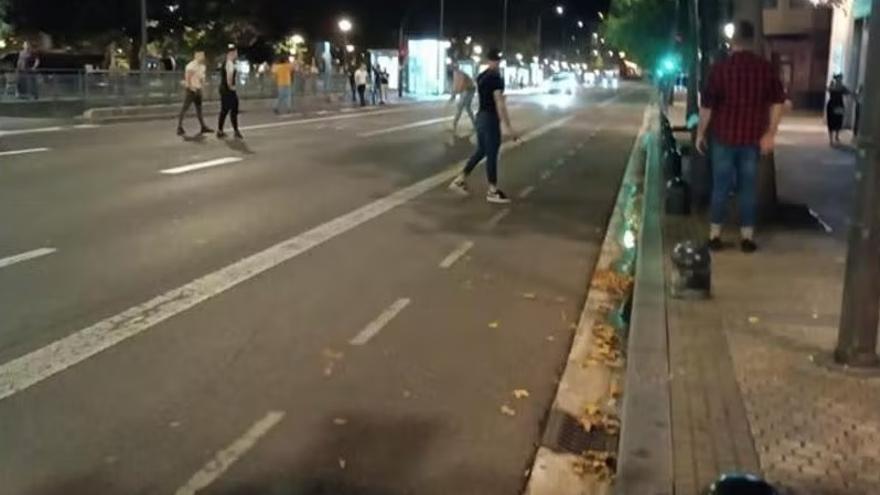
(741, 108)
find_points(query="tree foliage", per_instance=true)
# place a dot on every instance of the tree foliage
(643, 28)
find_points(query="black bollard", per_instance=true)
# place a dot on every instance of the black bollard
(678, 197)
(741, 484)
(692, 271)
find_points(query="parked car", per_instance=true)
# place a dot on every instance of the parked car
(562, 83)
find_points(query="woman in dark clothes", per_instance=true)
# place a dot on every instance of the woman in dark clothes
(835, 109)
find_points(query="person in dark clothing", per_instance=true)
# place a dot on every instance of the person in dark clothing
(492, 113)
(860, 95)
(836, 108)
(228, 94)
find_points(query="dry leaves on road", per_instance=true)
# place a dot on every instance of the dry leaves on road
(597, 463)
(331, 357)
(520, 393)
(616, 283)
(494, 325)
(340, 421)
(507, 410)
(593, 418)
(529, 295)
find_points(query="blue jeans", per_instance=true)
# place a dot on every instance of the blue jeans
(285, 98)
(465, 102)
(734, 165)
(488, 144)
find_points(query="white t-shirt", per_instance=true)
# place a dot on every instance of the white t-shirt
(195, 75)
(360, 77)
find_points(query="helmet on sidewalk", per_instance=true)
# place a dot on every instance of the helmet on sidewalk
(741, 484)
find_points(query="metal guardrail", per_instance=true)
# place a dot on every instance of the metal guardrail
(124, 88)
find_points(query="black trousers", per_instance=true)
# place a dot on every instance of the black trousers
(192, 98)
(362, 90)
(228, 106)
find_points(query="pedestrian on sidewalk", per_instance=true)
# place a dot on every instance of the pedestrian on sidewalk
(741, 108)
(28, 63)
(376, 90)
(360, 80)
(383, 80)
(283, 72)
(193, 82)
(464, 88)
(492, 113)
(228, 94)
(836, 108)
(351, 82)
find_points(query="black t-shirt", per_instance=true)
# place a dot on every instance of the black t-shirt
(487, 83)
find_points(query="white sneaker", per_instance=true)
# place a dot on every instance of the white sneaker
(498, 197)
(459, 187)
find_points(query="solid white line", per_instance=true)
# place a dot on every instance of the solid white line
(86, 126)
(19, 132)
(200, 165)
(389, 130)
(497, 218)
(379, 323)
(322, 112)
(525, 193)
(18, 258)
(224, 459)
(23, 152)
(321, 119)
(28, 370)
(456, 254)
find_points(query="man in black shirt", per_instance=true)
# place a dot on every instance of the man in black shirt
(228, 94)
(493, 111)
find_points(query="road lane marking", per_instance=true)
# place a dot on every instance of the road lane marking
(358, 115)
(413, 125)
(456, 254)
(546, 174)
(18, 258)
(497, 218)
(23, 152)
(559, 162)
(322, 112)
(86, 126)
(379, 323)
(26, 371)
(200, 165)
(525, 193)
(18, 132)
(224, 459)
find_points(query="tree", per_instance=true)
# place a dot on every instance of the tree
(642, 28)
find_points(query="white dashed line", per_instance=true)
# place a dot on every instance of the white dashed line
(546, 174)
(224, 459)
(39, 130)
(86, 126)
(200, 165)
(379, 323)
(456, 254)
(330, 118)
(497, 218)
(30, 369)
(525, 193)
(404, 127)
(23, 152)
(18, 258)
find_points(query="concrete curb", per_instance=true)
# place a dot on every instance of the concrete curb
(553, 471)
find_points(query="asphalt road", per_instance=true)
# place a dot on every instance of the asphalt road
(309, 311)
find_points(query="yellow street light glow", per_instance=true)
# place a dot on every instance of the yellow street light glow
(345, 25)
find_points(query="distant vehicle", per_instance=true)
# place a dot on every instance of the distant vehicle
(608, 79)
(562, 83)
(589, 79)
(58, 62)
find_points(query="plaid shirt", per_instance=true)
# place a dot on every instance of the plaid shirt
(739, 92)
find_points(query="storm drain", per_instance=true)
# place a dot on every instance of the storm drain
(564, 433)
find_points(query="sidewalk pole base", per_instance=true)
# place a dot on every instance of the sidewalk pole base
(866, 366)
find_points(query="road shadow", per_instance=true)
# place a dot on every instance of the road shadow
(239, 145)
(195, 139)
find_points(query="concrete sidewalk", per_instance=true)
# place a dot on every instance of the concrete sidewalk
(746, 391)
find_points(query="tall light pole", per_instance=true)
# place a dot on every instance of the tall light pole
(857, 337)
(442, 14)
(504, 29)
(143, 50)
(560, 10)
(345, 27)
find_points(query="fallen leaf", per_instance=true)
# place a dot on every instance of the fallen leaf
(332, 355)
(342, 463)
(550, 338)
(407, 394)
(507, 410)
(174, 424)
(494, 324)
(340, 421)
(754, 319)
(560, 299)
(529, 295)
(520, 393)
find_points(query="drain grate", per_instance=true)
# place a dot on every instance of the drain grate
(564, 433)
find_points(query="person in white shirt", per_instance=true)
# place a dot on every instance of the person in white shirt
(360, 80)
(193, 82)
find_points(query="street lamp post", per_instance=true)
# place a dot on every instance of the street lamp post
(345, 27)
(504, 29)
(560, 10)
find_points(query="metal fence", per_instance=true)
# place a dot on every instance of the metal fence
(117, 88)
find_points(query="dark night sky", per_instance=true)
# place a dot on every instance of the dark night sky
(376, 22)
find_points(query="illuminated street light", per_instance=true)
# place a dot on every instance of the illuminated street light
(729, 30)
(601, 16)
(478, 49)
(621, 54)
(519, 57)
(349, 48)
(595, 36)
(467, 41)
(581, 24)
(345, 25)
(297, 39)
(595, 53)
(560, 10)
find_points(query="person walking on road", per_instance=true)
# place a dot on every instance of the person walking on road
(283, 72)
(464, 88)
(228, 94)
(836, 108)
(360, 80)
(193, 82)
(492, 113)
(741, 107)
